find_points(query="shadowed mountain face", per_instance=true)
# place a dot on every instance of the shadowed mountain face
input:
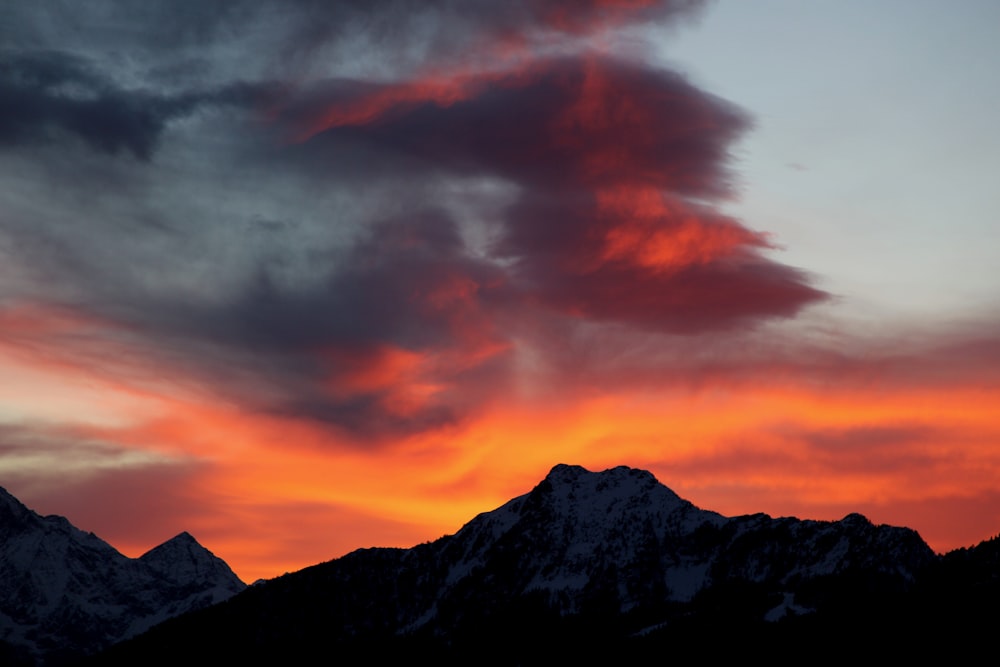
(66, 593)
(585, 562)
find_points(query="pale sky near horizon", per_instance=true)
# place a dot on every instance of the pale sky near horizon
(875, 155)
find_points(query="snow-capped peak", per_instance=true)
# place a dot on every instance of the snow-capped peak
(63, 587)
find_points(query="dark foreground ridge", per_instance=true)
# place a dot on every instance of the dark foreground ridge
(610, 565)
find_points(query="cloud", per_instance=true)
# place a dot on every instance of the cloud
(597, 230)
(100, 485)
(559, 123)
(610, 172)
(615, 164)
(362, 264)
(343, 280)
(296, 40)
(51, 95)
(397, 337)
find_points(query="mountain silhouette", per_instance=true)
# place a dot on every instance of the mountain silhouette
(586, 566)
(65, 593)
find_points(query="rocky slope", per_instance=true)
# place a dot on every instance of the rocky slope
(584, 562)
(66, 593)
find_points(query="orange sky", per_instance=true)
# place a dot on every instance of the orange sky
(300, 282)
(907, 439)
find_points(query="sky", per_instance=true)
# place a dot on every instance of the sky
(302, 277)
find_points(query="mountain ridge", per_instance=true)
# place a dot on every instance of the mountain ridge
(592, 559)
(65, 592)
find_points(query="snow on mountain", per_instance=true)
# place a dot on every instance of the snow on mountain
(183, 559)
(584, 562)
(576, 521)
(623, 536)
(591, 557)
(67, 591)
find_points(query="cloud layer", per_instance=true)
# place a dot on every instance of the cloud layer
(610, 169)
(324, 254)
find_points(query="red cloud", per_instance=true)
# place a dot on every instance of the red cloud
(616, 165)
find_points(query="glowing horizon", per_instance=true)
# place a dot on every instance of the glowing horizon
(296, 287)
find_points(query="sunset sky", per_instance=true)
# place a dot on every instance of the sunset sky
(300, 277)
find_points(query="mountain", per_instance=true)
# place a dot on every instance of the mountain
(66, 593)
(585, 564)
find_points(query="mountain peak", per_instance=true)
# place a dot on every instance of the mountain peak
(182, 543)
(65, 589)
(856, 519)
(11, 505)
(612, 554)
(183, 537)
(183, 557)
(566, 470)
(577, 483)
(564, 473)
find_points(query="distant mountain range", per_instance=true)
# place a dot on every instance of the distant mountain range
(585, 567)
(608, 566)
(65, 593)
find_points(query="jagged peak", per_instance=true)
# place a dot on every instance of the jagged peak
(568, 479)
(182, 542)
(9, 501)
(564, 472)
(74, 592)
(182, 556)
(573, 490)
(854, 518)
(183, 537)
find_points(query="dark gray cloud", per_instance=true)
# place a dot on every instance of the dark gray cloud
(408, 284)
(507, 185)
(299, 39)
(49, 95)
(572, 133)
